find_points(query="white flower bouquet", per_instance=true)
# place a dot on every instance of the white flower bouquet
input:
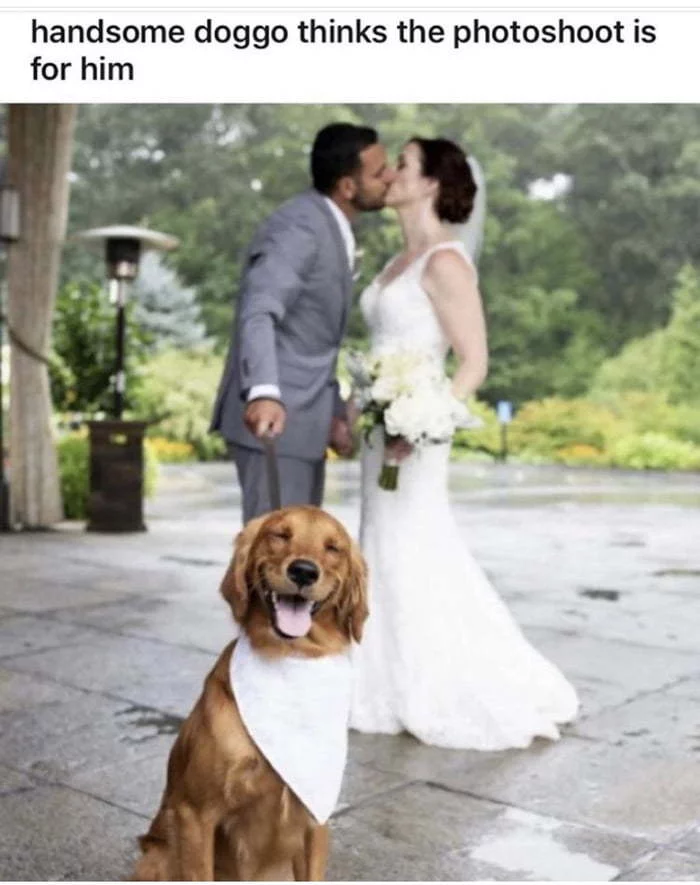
(408, 394)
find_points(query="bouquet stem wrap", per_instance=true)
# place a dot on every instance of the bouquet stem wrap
(389, 474)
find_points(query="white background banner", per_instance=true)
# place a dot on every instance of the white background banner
(325, 54)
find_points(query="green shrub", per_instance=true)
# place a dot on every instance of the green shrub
(151, 469)
(176, 392)
(74, 472)
(485, 440)
(543, 428)
(580, 455)
(170, 451)
(84, 349)
(637, 367)
(654, 451)
(652, 412)
(665, 361)
(681, 352)
(684, 424)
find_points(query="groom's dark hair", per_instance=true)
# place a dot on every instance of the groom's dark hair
(336, 152)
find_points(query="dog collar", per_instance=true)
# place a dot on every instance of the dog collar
(296, 710)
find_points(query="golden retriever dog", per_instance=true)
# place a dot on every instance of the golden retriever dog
(296, 586)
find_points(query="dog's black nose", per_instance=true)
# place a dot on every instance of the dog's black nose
(303, 572)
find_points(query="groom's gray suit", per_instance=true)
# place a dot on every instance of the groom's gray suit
(293, 304)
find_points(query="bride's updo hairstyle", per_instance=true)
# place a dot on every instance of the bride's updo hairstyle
(446, 162)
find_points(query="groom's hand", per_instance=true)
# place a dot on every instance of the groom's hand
(341, 440)
(265, 417)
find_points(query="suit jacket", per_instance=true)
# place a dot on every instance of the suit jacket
(293, 303)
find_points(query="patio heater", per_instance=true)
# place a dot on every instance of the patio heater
(123, 246)
(115, 502)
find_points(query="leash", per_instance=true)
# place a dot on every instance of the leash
(273, 472)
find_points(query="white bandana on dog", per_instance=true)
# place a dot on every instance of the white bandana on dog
(296, 710)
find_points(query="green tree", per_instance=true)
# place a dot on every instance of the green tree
(637, 368)
(84, 350)
(167, 312)
(680, 357)
(665, 362)
(635, 172)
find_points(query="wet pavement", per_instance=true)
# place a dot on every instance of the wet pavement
(105, 640)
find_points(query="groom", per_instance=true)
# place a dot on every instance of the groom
(293, 304)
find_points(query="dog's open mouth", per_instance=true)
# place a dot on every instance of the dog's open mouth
(291, 614)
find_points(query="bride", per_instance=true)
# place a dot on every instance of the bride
(441, 656)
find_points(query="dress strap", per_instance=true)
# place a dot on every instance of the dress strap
(445, 244)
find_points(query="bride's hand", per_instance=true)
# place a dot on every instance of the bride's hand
(397, 449)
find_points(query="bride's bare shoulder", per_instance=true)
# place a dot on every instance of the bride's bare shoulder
(447, 266)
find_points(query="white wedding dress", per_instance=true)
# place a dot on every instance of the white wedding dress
(441, 656)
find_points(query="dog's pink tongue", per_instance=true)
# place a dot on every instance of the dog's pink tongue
(293, 618)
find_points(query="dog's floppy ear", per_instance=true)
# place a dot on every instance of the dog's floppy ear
(353, 603)
(234, 587)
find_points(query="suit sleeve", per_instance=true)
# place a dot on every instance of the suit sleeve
(278, 264)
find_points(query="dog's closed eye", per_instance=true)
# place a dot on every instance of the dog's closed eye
(281, 535)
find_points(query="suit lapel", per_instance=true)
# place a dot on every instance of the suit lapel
(341, 254)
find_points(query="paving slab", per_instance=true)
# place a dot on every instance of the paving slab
(667, 622)
(20, 691)
(136, 786)
(422, 832)
(404, 755)
(675, 626)
(157, 576)
(206, 625)
(24, 634)
(53, 741)
(12, 781)
(627, 667)
(91, 569)
(686, 688)
(42, 594)
(666, 866)
(640, 790)
(149, 673)
(690, 843)
(56, 834)
(56, 566)
(662, 719)
(599, 694)
(362, 783)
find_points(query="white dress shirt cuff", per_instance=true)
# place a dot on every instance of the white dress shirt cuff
(264, 391)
